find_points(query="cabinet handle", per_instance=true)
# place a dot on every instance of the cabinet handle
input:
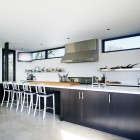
(79, 95)
(82, 95)
(109, 98)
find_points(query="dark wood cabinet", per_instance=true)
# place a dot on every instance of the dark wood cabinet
(70, 106)
(95, 109)
(116, 113)
(1, 92)
(124, 115)
(88, 108)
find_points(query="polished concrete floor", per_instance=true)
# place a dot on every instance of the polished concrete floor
(15, 125)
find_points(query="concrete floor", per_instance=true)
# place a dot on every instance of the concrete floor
(15, 125)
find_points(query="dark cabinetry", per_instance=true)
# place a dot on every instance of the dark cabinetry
(124, 115)
(1, 92)
(84, 107)
(116, 113)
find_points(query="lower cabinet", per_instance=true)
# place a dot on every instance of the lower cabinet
(70, 105)
(124, 115)
(84, 107)
(1, 92)
(116, 113)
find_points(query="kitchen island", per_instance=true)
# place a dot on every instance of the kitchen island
(111, 109)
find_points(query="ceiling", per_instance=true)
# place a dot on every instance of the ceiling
(41, 24)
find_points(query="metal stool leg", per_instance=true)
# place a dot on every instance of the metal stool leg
(36, 105)
(39, 103)
(12, 100)
(3, 98)
(31, 103)
(23, 103)
(44, 108)
(53, 105)
(18, 101)
(8, 98)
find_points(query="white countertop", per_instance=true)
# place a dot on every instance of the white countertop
(117, 89)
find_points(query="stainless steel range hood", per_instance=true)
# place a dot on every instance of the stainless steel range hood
(84, 51)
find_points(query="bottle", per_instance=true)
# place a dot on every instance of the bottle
(103, 78)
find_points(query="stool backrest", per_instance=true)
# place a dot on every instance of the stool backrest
(27, 87)
(15, 86)
(5, 85)
(40, 88)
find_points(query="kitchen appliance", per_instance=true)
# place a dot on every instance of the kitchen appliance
(84, 51)
(30, 77)
(81, 80)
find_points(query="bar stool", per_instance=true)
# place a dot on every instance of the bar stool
(28, 93)
(16, 93)
(41, 92)
(6, 90)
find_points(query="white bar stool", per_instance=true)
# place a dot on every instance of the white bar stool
(28, 93)
(16, 93)
(6, 90)
(41, 92)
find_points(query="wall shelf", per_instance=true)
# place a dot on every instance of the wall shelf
(44, 72)
(120, 70)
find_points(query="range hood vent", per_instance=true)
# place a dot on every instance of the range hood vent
(84, 51)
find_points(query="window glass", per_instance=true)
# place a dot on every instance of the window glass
(11, 78)
(38, 55)
(25, 56)
(121, 44)
(56, 53)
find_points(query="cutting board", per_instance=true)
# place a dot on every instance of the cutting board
(57, 83)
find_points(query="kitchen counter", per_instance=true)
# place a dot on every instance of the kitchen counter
(118, 89)
(77, 86)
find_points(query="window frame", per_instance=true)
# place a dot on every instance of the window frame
(115, 38)
(46, 54)
(53, 49)
(37, 52)
(14, 64)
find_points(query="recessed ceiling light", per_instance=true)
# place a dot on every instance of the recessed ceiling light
(41, 44)
(108, 29)
(68, 38)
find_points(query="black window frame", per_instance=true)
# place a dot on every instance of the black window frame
(40, 51)
(54, 49)
(46, 54)
(14, 64)
(115, 38)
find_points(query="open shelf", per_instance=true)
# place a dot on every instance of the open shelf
(120, 70)
(44, 71)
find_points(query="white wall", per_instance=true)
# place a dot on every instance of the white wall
(20, 69)
(87, 69)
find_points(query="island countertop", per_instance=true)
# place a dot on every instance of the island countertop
(116, 89)
(77, 86)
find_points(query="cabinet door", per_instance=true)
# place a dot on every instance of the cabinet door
(1, 92)
(70, 105)
(95, 109)
(124, 112)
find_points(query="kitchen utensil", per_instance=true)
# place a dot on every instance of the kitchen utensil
(63, 78)
(118, 67)
(103, 68)
(129, 66)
